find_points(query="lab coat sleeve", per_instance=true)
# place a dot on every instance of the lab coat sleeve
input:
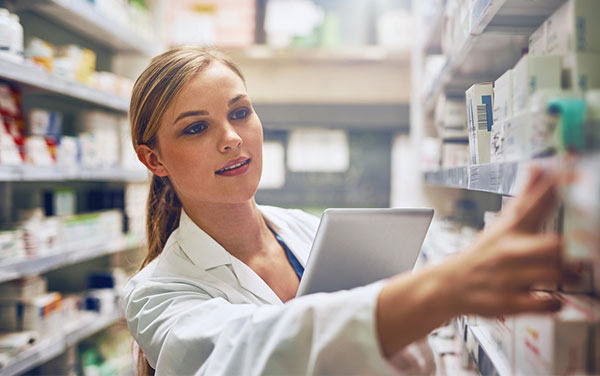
(184, 331)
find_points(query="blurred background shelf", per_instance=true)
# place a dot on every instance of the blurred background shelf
(56, 173)
(502, 178)
(50, 347)
(24, 267)
(496, 26)
(82, 18)
(37, 78)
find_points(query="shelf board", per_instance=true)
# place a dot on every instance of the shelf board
(36, 77)
(51, 347)
(505, 178)
(21, 268)
(84, 19)
(486, 353)
(28, 172)
(497, 25)
(368, 53)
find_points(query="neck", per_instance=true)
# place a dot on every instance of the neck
(239, 228)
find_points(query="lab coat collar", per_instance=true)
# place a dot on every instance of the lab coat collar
(207, 254)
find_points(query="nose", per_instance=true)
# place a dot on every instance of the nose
(230, 139)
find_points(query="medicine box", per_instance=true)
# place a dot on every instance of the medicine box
(581, 71)
(19, 289)
(455, 153)
(450, 117)
(538, 41)
(531, 74)
(574, 27)
(552, 344)
(517, 137)
(480, 104)
(581, 224)
(503, 101)
(497, 142)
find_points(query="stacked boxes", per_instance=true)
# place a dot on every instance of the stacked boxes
(480, 104)
(563, 343)
(572, 32)
(530, 74)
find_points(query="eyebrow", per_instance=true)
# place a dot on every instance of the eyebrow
(202, 112)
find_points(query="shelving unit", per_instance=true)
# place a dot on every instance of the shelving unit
(24, 267)
(502, 178)
(51, 347)
(82, 18)
(36, 77)
(89, 26)
(56, 173)
(497, 25)
(498, 36)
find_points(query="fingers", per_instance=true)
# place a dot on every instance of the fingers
(535, 302)
(536, 202)
(522, 249)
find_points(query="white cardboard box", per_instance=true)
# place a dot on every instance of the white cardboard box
(553, 344)
(581, 71)
(480, 104)
(503, 101)
(497, 142)
(517, 137)
(574, 27)
(531, 74)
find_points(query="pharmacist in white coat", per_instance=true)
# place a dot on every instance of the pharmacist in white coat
(215, 294)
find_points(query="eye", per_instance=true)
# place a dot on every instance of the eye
(240, 113)
(195, 128)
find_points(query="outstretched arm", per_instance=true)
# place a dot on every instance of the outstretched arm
(492, 277)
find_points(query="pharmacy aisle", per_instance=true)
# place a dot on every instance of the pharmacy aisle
(71, 190)
(502, 84)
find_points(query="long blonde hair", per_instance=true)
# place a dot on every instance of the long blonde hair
(153, 92)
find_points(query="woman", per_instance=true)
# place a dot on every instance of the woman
(215, 292)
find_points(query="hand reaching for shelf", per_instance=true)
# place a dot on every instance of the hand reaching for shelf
(494, 276)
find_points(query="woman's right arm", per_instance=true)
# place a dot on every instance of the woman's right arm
(492, 277)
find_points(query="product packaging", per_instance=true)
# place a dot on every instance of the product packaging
(574, 27)
(497, 141)
(503, 101)
(479, 103)
(552, 344)
(580, 71)
(450, 118)
(40, 313)
(531, 74)
(581, 224)
(20, 289)
(455, 153)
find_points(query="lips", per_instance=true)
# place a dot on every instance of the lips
(233, 166)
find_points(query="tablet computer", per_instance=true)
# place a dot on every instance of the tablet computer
(355, 247)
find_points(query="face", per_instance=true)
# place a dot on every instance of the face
(210, 140)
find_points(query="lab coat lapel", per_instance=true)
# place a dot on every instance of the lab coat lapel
(250, 281)
(207, 254)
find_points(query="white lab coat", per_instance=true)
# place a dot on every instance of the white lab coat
(198, 310)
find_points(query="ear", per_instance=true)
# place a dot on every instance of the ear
(150, 158)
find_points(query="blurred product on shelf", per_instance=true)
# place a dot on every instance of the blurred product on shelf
(40, 53)
(559, 344)
(99, 138)
(430, 154)
(108, 353)
(455, 153)
(12, 129)
(503, 97)
(431, 72)
(12, 343)
(39, 232)
(76, 64)
(40, 313)
(582, 221)
(11, 36)
(12, 245)
(531, 74)
(479, 105)
(225, 23)
(450, 117)
(59, 202)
